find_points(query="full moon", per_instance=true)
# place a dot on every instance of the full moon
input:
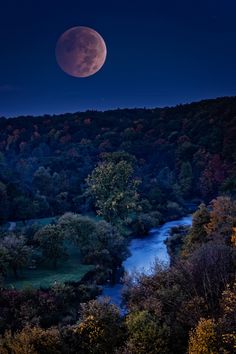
(81, 51)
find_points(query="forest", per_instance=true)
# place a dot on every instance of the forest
(76, 188)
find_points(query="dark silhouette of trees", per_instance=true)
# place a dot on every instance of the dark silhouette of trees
(51, 242)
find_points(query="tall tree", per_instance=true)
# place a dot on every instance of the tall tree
(146, 334)
(51, 241)
(197, 234)
(186, 178)
(100, 328)
(43, 180)
(77, 228)
(222, 219)
(15, 252)
(203, 339)
(114, 187)
(32, 340)
(98, 242)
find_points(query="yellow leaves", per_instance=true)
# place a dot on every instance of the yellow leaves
(16, 345)
(229, 299)
(222, 217)
(90, 328)
(31, 341)
(233, 237)
(203, 338)
(212, 337)
(230, 338)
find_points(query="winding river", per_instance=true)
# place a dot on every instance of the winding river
(144, 252)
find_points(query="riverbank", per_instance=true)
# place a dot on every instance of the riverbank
(135, 262)
(144, 253)
(175, 241)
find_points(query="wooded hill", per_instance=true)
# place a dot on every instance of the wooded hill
(182, 152)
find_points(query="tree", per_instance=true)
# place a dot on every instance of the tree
(100, 329)
(106, 246)
(33, 340)
(77, 228)
(233, 237)
(23, 208)
(213, 175)
(212, 336)
(3, 261)
(200, 219)
(227, 321)
(15, 252)
(203, 339)
(197, 234)
(43, 180)
(146, 334)
(51, 241)
(114, 188)
(211, 267)
(165, 178)
(98, 242)
(4, 203)
(186, 178)
(222, 219)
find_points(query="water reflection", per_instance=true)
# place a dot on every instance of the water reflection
(144, 253)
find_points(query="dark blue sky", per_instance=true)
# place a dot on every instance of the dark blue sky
(160, 52)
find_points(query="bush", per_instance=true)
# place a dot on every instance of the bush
(142, 224)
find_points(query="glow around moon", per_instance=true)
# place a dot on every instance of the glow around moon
(81, 51)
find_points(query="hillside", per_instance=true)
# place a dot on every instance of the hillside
(183, 152)
(97, 179)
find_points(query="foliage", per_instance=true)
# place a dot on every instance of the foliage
(198, 232)
(44, 160)
(4, 203)
(44, 307)
(14, 253)
(32, 341)
(217, 336)
(180, 153)
(100, 329)
(115, 189)
(99, 242)
(186, 292)
(146, 335)
(50, 239)
(222, 219)
(77, 228)
(185, 179)
(143, 222)
(203, 340)
(107, 246)
(233, 237)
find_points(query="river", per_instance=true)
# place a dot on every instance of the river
(144, 252)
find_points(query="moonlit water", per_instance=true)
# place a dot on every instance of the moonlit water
(144, 253)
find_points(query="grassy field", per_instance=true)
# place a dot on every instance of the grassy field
(19, 224)
(41, 222)
(46, 276)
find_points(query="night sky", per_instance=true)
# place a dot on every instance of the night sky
(160, 53)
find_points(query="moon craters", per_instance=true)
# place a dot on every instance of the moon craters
(81, 51)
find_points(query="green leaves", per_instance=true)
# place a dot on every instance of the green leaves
(14, 253)
(51, 241)
(114, 188)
